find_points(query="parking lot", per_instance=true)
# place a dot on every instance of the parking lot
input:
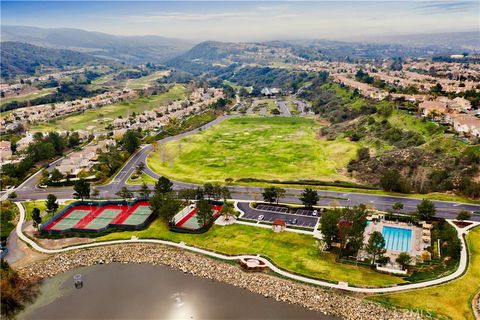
(305, 220)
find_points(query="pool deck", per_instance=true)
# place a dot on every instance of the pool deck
(417, 246)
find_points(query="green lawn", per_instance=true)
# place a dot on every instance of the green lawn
(40, 204)
(144, 82)
(291, 251)
(99, 118)
(28, 96)
(451, 300)
(252, 147)
(144, 178)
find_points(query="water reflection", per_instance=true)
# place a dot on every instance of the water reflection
(132, 291)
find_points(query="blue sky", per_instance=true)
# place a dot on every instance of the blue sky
(248, 20)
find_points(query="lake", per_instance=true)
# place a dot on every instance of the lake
(143, 291)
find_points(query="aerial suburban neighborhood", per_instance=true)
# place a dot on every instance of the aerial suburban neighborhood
(240, 160)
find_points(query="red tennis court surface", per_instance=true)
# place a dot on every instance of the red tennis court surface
(189, 221)
(97, 216)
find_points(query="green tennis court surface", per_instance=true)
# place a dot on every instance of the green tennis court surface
(71, 220)
(103, 219)
(138, 216)
(192, 223)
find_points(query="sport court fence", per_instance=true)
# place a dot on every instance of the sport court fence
(97, 204)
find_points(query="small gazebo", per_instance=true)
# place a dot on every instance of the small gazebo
(278, 225)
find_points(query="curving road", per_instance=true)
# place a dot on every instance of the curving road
(445, 209)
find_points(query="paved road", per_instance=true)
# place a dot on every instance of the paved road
(283, 107)
(445, 209)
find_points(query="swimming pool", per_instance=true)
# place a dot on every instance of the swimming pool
(397, 239)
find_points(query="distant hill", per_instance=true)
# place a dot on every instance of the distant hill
(210, 55)
(130, 49)
(22, 58)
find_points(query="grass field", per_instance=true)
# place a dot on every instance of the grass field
(449, 301)
(28, 96)
(252, 147)
(291, 251)
(92, 118)
(144, 82)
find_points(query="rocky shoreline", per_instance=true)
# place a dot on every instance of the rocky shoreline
(313, 298)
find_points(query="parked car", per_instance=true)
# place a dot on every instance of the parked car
(315, 212)
(294, 221)
(260, 217)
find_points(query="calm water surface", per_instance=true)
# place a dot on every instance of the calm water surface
(142, 291)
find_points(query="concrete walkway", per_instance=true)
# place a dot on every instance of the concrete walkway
(341, 286)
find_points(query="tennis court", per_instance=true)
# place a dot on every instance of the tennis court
(96, 216)
(187, 218)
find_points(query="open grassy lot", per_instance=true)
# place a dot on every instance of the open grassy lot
(291, 251)
(252, 147)
(144, 82)
(449, 301)
(100, 117)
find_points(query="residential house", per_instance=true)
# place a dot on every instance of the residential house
(5, 150)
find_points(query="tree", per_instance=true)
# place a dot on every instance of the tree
(163, 186)
(208, 188)
(165, 205)
(204, 213)
(375, 245)
(403, 260)
(187, 194)
(426, 210)
(329, 225)
(37, 219)
(51, 203)
(217, 191)
(227, 210)
(95, 193)
(56, 175)
(125, 194)
(144, 191)
(269, 194)
(280, 193)
(45, 176)
(130, 141)
(225, 194)
(140, 167)
(392, 180)
(73, 139)
(398, 207)
(309, 197)
(82, 189)
(464, 215)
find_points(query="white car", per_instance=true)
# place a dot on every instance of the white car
(315, 212)
(260, 217)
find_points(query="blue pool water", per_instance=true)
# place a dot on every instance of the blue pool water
(397, 239)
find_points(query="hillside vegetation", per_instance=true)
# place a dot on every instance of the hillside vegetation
(25, 59)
